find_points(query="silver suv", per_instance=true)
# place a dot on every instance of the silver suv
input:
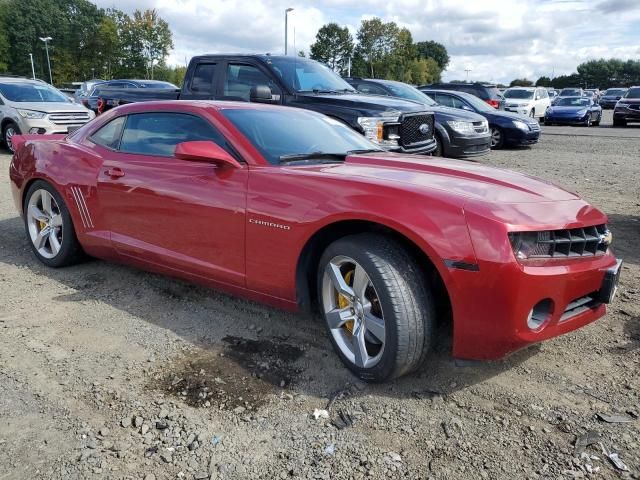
(32, 106)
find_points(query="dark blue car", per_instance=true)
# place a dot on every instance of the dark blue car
(507, 129)
(574, 111)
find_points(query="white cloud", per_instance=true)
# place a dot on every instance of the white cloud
(497, 39)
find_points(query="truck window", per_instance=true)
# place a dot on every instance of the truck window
(202, 80)
(240, 78)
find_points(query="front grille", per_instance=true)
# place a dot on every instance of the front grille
(410, 134)
(573, 242)
(535, 127)
(634, 107)
(481, 127)
(69, 118)
(578, 306)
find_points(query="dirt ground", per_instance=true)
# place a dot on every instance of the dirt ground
(110, 372)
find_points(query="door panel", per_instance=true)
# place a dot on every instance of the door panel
(186, 215)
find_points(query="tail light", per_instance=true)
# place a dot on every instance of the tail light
(493, 103)
(100, 106)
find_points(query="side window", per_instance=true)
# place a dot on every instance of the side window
(202, 80)
(116, 85)
(109, 135)
(371, 89)
(240, 78)
(544, 93)
(457, 103)
(158, 133)
(444, 100)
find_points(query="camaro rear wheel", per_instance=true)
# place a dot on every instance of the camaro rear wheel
(49, 226)
(378, 310)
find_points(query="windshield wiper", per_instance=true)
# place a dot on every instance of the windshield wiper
(364, 150)
(293, 157)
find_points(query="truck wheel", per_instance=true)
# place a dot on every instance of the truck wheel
(377, 307)
(9, 130)
(49, 226)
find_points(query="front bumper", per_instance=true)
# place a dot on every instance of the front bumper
(607, 103)
(566, 119)
(491, 305)
(462, 146)
(516, 137)
(627, 114)
(44, 126)
(522, 110)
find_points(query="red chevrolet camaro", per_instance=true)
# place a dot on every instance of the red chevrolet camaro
(295, 209)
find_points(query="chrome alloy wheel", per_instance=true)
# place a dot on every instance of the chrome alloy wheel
(353, 312)
(9, 133)
(44, 221)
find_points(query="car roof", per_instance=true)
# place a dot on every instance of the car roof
(21, 80)
(523, 88)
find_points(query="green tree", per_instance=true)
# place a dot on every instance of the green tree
(4, 40)
(435, 50)
(376, 40)
(333, 46)
(301, 54)
(155, 36)
(424, 71)
(543, 82)
(521, 82)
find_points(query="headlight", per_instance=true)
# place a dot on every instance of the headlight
(521, 125)
(31, 114)
(582, 112)
(374, 130)
(465, 128)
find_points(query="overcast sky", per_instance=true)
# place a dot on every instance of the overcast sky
(498, 40)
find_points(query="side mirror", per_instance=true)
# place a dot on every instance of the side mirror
(467, 107)
(205, 151)
(260, 94)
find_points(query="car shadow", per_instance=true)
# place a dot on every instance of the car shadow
(246, 331)
(626, 231)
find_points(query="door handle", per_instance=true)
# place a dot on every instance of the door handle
(115, 173)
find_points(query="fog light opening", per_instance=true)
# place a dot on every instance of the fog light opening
(36, 130)
(540, 314)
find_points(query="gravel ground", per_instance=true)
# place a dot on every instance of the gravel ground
(110, 372)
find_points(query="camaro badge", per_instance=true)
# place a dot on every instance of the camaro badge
(423, 129)
(269, 224)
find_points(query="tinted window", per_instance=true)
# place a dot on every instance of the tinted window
(449, 101)
(159, 133)
(303, 75)
(295, 131)
(371, 89)
(202, 80)
(240, 79)
(573, 102)
(518, 93)
(109, 135)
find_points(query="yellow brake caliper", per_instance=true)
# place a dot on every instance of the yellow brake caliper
(343, 302)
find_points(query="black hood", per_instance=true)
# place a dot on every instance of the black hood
(365, 105)
(449, 113)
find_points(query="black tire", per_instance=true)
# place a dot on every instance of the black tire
(439, 151)
(532, 113)
(587, 122)
(619, 123)
(497, 133)
(597, 122)
(70, 251)
(9, 127)
(404, 299)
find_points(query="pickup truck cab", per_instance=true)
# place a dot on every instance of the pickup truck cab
(393, 124)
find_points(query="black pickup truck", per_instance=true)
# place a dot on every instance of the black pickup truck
(393, 124)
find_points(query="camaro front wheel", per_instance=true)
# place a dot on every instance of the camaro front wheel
(377, 308)
(49, 226)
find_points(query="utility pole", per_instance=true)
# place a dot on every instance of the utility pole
(46, 41)
(286, 28)
(467, 70)
(33, 70)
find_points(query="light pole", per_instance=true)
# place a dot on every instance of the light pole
(286, 29)
(33, 70)
(467, 70)
(46, 41)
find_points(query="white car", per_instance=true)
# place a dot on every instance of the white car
(530, 101)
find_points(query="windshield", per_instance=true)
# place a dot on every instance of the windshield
(276, 133)
(615, 91)
(31, 92)
(633, 93)
(573, 102)
(302, 75)
(408, 92)
(518, 93)
(570, 92)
